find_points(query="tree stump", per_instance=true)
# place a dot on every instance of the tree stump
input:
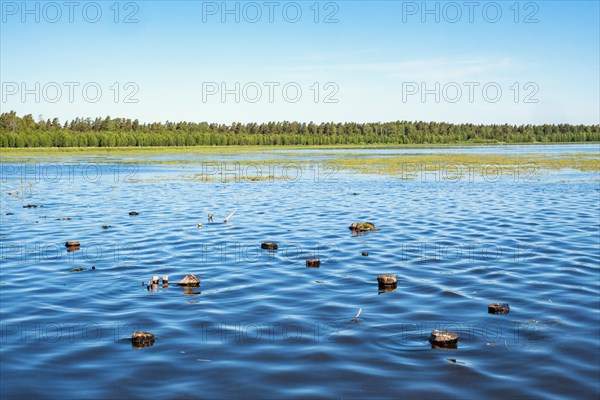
(362, 227)
(387, 281)
(72, 243)
(190, 280)
(141, 339)
(444, 339)
(498, 308)
(313, 263)
(269, 246)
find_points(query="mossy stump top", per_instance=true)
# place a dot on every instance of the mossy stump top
(362, 227)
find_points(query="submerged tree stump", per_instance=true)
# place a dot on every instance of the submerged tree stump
(313, 263)
(142, 339)
(269, 246)
(362, 227)
(444, 339)
(498, 308)
(387, 281)
(190, 280)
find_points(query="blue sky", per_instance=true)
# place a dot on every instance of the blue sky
(480, 62)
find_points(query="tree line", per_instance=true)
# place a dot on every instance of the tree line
(24, 131)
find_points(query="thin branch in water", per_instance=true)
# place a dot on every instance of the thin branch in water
(357, 314)
(230, 215)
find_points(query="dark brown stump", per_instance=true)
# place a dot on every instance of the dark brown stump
(190, 280)
(498, 308)
(444, 339)
(134, 213)
(140, 340)
(364, 253)
(387, 281)
(72, 243)
(313, 263)
(269, 246)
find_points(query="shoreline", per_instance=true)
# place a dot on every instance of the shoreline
(24, 151)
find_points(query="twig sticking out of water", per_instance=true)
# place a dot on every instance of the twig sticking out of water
(230, 215)
(357, 314)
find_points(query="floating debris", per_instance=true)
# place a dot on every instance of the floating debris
(230, 215)
(455, 361)
(30, 206)
(269, 246)
(387, 281)
(443, 339)
(364, 253)
(199, 225)
(78, 269)
(357, 314)
(9, 213)
(498, 308)
(313, 263)
(94, 267)
(134, 213)
(140, 340)
(210, 217)
(105, 226)
(362, 227)
(63, 219)
(190, 280)
(72, 243)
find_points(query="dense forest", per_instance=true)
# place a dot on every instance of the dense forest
(24, 131)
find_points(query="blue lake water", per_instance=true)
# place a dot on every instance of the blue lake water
(262, 324)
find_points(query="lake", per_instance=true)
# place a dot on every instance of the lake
(262, 324)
